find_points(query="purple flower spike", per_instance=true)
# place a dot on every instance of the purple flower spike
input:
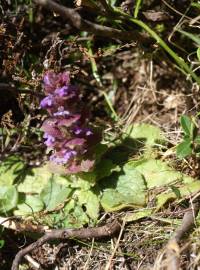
(65, 130)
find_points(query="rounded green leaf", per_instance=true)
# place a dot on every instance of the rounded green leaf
(54, 194)
(112, 200)
(37, 179)
(91, 202)
(187, 125)
(31, 205)
(184, 149)
(8, 198)
(129, 190)
(146, 133)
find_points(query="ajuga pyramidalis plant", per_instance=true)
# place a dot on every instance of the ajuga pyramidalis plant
(66, 130)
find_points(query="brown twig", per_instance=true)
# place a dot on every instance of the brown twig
(83, 233)
(78, 22)
(173, 249)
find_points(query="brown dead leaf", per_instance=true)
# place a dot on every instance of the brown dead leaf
(156, 16)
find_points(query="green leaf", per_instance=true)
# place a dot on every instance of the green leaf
(10, 169)
(100, 149)
(105, 168)
(2, 243)
(156, 172)
(112, 2)
(84, 181)
(184, 190)
(138, 215)
(71, 216)
(32, 204)
(176, 191)
(112, 200)
(191, 36)
(54, 194)
(75, 215)
(198, 53)
(8, 198)
(129, 191)
(146, 133)
(197, 139)
(129, 187)
(187, 125)
(197, 5)
(37, 179)
(184, 149)
(132, 186)
(91, 202)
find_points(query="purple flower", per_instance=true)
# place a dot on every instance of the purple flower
(50, 140)
(63, 91)
(47, 102)
(63, 156)
(82, 131)
(49, 79)
(61, 112)
(88, 132)
(75, 142)
(69, 121)
(49, 126)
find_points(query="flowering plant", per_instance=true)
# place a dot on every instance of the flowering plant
(65, 131)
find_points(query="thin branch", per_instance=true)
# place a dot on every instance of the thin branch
(78, 22)
(173, 249)
(83, 233)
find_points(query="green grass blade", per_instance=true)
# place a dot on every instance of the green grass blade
(137, 8)
(195, 38)
(180, 61)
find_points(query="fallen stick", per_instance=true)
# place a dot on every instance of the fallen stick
(83, 233)
(172, 252)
